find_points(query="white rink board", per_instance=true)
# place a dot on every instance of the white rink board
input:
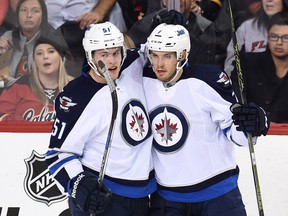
(15, 148)
(271, 157)
(271, 154)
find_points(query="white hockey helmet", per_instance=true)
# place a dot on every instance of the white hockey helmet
(102, 36)
(170, 38)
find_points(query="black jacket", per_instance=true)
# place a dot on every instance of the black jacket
(262, 85)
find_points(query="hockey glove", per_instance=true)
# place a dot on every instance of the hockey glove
(250, 118)
(168, 17)
(85, 193)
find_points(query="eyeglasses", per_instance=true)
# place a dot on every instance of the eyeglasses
(275, 38)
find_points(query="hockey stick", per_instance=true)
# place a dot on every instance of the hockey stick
(112, 87)
(244, 101)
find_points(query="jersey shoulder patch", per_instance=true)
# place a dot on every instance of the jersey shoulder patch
(76, 95)
(214, 76)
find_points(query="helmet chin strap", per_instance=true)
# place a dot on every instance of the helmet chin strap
(92, 65)
(172, 81)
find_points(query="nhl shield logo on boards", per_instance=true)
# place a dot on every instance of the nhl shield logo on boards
(38, 183)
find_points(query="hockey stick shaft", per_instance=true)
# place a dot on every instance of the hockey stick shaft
(112, 88)
(244, 101)
(114, 98)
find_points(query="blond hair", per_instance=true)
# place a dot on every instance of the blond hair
(36, 86)
(129, 43)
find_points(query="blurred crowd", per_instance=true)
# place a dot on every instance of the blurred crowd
(41, 46)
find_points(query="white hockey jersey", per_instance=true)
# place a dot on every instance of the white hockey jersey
(83, 115)
(193, 134)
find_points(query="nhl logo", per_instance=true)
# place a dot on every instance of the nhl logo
(38, 183)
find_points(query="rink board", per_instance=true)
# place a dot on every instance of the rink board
(27, 188)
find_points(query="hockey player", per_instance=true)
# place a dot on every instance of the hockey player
(83, 113)
(193, 131)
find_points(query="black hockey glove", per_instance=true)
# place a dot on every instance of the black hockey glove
(168, 17)
(250, 118)
(85, 193)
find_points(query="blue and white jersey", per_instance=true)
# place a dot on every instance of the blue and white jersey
(193, 134)
(83, 115)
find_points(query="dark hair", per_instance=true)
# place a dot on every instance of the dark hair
(280, 18)
(263, 19)
(45, 27)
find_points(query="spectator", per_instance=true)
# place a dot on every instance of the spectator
(202, 32)
(192, 128)
(222, 25)
(83, 111)
(72, 17)
(133, 10)
(32, 23)
(253, 5)
(252, 34)
(32, 97)
(265, 73)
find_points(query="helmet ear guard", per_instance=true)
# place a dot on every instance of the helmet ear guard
(102, 36)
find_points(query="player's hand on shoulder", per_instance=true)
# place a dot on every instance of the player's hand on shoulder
(85, 193)
(250, 118)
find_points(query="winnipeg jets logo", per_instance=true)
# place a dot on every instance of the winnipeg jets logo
(66, 103)
(137, 122)
(169, 127)
(223, 78)
(166, 129)
(135, 125)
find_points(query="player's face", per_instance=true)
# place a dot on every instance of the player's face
(47, 60)
(279, 48)
(272, 7)
(164, 64)
(30, 16)
(112, 58)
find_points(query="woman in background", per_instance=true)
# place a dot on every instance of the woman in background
(252, 33)
(32, 23)
(32, 97)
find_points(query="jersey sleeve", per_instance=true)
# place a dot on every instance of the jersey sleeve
(219, 96)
